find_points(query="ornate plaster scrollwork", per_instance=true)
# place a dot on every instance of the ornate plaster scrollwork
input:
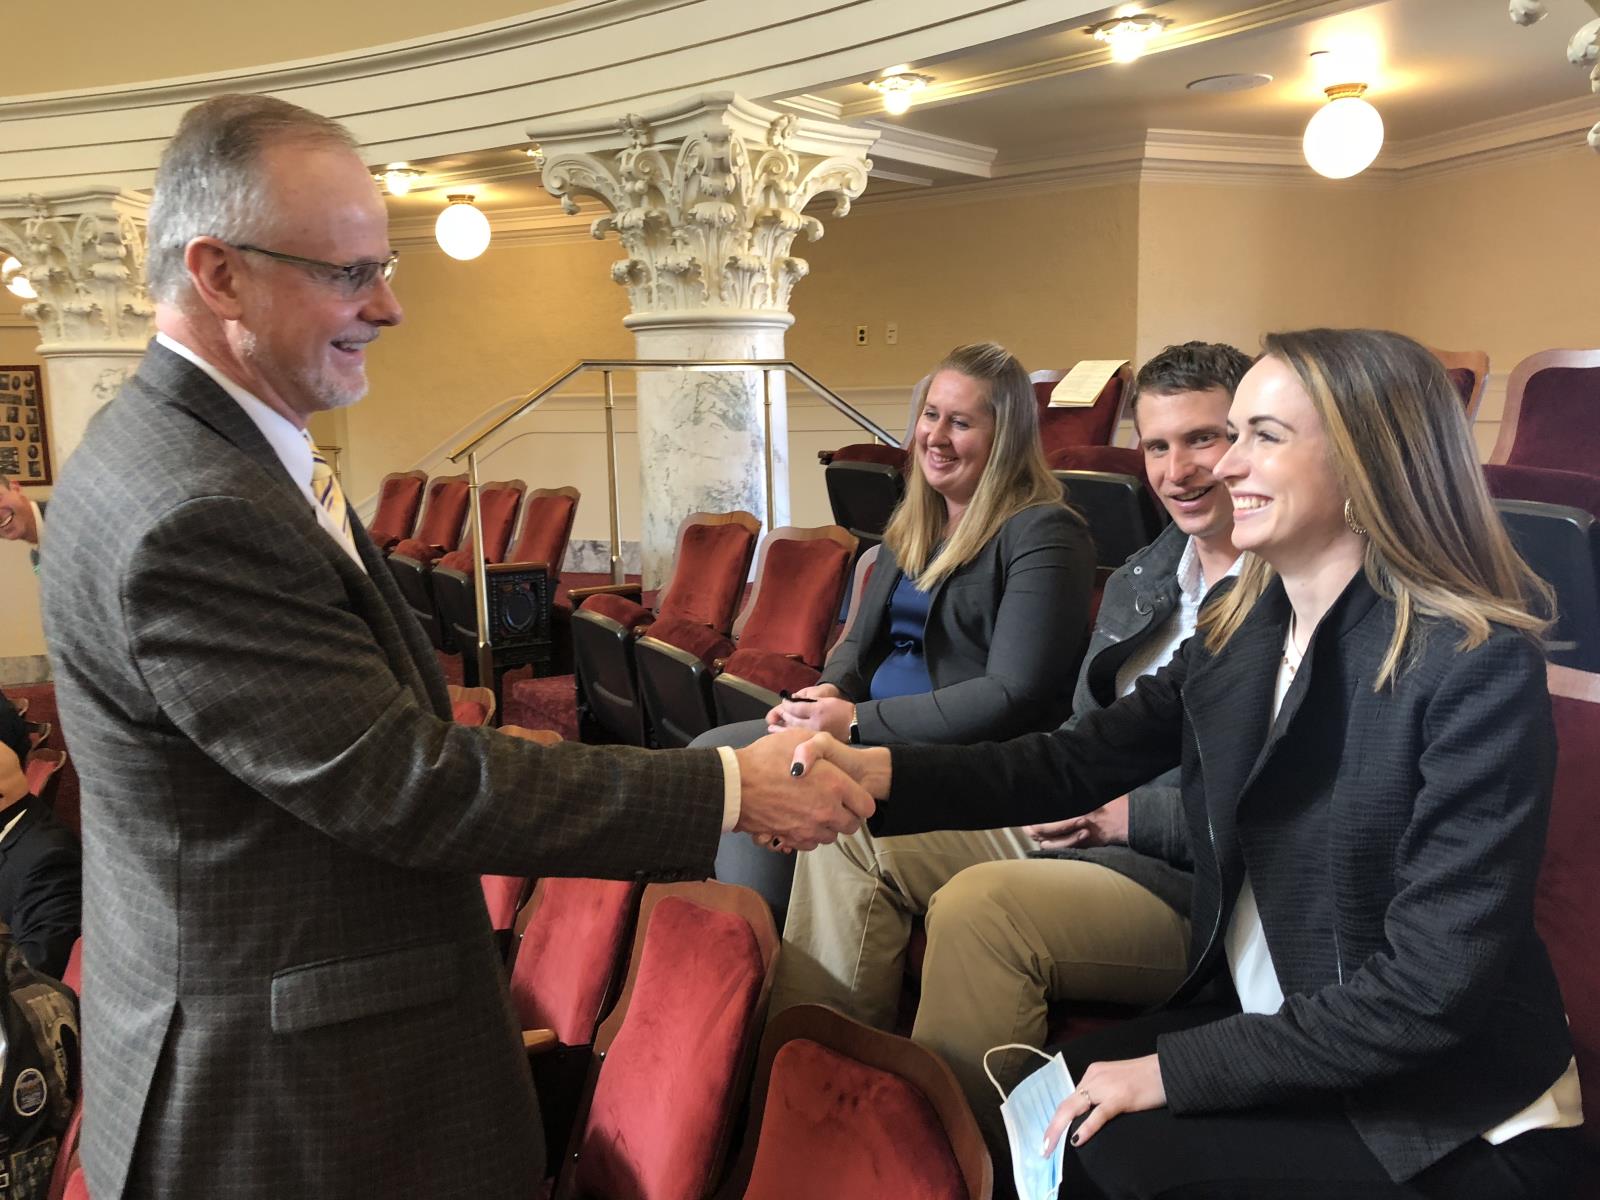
(1582, 51)
(707, 211)
(84, 256)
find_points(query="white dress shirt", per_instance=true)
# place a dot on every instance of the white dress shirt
(1179, 626)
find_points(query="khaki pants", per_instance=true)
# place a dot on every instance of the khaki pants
(1007, 938)
(850, 912)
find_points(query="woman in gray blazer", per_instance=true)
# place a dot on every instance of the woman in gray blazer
(969, 629)
(1367, 756)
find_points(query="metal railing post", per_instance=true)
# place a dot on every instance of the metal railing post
(766, 437)
(611, 472)
(480, 577)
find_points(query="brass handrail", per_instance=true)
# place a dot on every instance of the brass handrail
(606, 366)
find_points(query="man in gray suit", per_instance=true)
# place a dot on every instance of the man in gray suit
(290, 985)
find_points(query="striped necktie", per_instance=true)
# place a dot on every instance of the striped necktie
(325, 487)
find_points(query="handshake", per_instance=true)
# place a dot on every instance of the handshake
(799, 789)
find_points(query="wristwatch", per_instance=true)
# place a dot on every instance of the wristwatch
(855, 728)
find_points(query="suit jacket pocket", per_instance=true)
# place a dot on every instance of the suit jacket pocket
(348, 989)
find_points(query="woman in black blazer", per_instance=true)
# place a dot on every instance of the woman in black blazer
(1367, 756)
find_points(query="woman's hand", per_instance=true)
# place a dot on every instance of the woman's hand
(1107, 1089)
(823, 714)
(1105, 826)
(871, 767)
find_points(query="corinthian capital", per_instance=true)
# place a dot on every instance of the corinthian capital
(708, 198)
(83, 253)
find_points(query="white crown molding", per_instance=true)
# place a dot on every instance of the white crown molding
(1565, 116)
(1096, 55)
(913, 147)
(479, 88)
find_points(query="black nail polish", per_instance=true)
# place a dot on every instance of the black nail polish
(797, 770)
(1073, 1139)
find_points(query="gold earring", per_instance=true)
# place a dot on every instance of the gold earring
(1350, 519)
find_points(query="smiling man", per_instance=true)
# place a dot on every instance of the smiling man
(288, 970)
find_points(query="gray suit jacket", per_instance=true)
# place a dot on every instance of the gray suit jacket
(290, 985)
(1136, 603)
(998, 630)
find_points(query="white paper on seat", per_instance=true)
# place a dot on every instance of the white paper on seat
(1082, 385)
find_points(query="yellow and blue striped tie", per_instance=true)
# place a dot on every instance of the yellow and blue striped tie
(325, 487)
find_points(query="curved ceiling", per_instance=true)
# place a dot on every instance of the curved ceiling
(166, 39)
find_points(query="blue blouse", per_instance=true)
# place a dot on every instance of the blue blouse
(905, 671)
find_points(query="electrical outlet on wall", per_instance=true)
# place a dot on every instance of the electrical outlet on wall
(861, 335)
(891, 334)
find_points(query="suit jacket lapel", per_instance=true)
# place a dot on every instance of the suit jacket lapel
(373, 594)
(1229, 704)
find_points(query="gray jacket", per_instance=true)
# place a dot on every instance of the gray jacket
(1138, 599)
(997, 629)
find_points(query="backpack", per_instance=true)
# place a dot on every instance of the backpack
(38, 1073)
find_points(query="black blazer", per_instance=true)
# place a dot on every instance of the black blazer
(1003, 632)
(41, 888)
(1393, 840)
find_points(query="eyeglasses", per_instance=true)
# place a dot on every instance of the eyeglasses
(351, 279)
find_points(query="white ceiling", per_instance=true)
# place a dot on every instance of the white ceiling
(1438, 65)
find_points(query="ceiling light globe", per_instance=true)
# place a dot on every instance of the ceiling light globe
(461, 230)
(1127, 45)
(1343, 137)
(15, 281)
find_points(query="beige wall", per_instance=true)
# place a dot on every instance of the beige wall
(475, 334)
(1231, 261)
(1051, 274)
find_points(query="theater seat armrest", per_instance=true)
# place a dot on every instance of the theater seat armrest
(824, 457)
(537, 1041)
(633, 591)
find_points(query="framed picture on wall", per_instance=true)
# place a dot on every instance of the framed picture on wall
(24, 444)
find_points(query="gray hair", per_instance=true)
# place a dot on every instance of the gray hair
(208, 184)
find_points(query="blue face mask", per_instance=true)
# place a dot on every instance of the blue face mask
(1027, 1113)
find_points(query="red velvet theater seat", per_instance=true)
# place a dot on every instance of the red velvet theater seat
(674, 1056)
(1571, 489)
(1469, 373)
(499, 505)
(1552, 406)
(399, 499)
(852, 1113)
(1095, 425)
(708, 576)
(571, 953)
(503, 896)
(444, 516)
(441, 530)
(540, 547)
(1567, 904)
(750, 680)
(800, 580)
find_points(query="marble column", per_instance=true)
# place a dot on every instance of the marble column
(83, 252)
(707, 200)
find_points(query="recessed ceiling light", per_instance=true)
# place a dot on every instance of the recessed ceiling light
(1128, 36)
(1229, 83)
(898, 89)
